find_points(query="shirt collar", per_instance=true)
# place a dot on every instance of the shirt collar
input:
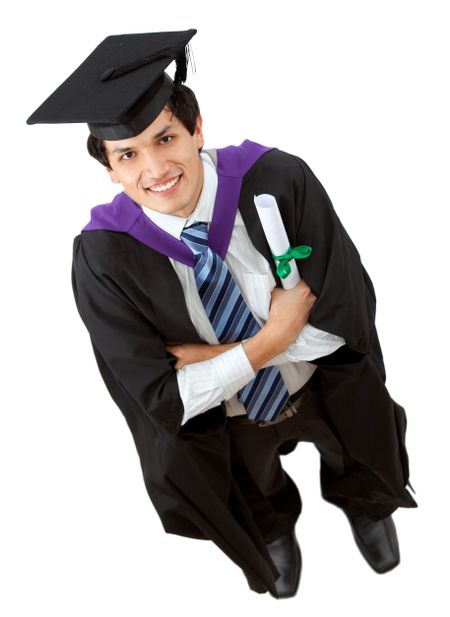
(203, 211)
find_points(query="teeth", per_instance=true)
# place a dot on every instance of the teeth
(164, 187)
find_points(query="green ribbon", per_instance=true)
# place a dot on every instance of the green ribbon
(296, 252)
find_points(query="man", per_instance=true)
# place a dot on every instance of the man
(215, 369)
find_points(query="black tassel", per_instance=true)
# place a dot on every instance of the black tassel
(182, 61)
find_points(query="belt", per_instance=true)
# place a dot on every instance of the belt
(292, 406)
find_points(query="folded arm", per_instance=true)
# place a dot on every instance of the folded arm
(272, 340)
(208, 374)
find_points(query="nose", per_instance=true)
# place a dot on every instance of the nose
(154, 167)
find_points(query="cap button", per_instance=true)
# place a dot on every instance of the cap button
(107, 74)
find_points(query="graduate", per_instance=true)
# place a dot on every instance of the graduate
(216, 368)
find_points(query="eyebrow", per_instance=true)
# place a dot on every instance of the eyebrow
(164, 130)
(157, 136)
(121, 150)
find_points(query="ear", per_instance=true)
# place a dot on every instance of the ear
(198, 132)
(112, 175)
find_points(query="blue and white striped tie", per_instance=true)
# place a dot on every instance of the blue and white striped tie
(264, 396)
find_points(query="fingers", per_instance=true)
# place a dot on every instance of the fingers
(175, 351)
(306, 290)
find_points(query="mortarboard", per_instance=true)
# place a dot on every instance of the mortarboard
(121, 87)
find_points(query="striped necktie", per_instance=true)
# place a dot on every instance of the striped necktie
(264, 396)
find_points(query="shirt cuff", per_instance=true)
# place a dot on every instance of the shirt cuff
(206, 384)
(233, 370)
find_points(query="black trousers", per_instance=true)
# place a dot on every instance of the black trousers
(272, 495)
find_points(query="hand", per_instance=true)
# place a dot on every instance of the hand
(289, 311)
(188, 353)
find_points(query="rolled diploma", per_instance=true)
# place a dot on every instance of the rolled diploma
(272, 223)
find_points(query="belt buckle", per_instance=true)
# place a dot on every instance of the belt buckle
(288, 411)
(264, 423)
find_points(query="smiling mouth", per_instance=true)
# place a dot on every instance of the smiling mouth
(161, 188)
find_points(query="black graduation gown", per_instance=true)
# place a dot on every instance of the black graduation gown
(131, 302)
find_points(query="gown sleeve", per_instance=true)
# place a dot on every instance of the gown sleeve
(126, 341)
(346, 299)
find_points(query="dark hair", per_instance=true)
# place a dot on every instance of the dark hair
(184, 106)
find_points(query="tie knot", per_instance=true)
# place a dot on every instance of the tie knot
(196, 237)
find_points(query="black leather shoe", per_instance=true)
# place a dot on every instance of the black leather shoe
(286, 555)
(377, 541)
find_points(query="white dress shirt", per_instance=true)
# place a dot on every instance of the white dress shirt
(204, 385)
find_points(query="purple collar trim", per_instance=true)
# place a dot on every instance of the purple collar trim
(124, 215)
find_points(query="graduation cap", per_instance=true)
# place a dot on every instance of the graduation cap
(121, 87)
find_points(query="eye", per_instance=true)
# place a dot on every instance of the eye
(166, 139)
(127, 156)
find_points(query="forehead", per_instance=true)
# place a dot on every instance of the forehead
(164, 122)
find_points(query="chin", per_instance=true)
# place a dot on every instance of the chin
(162, 208)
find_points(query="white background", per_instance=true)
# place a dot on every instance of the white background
(360, 91)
